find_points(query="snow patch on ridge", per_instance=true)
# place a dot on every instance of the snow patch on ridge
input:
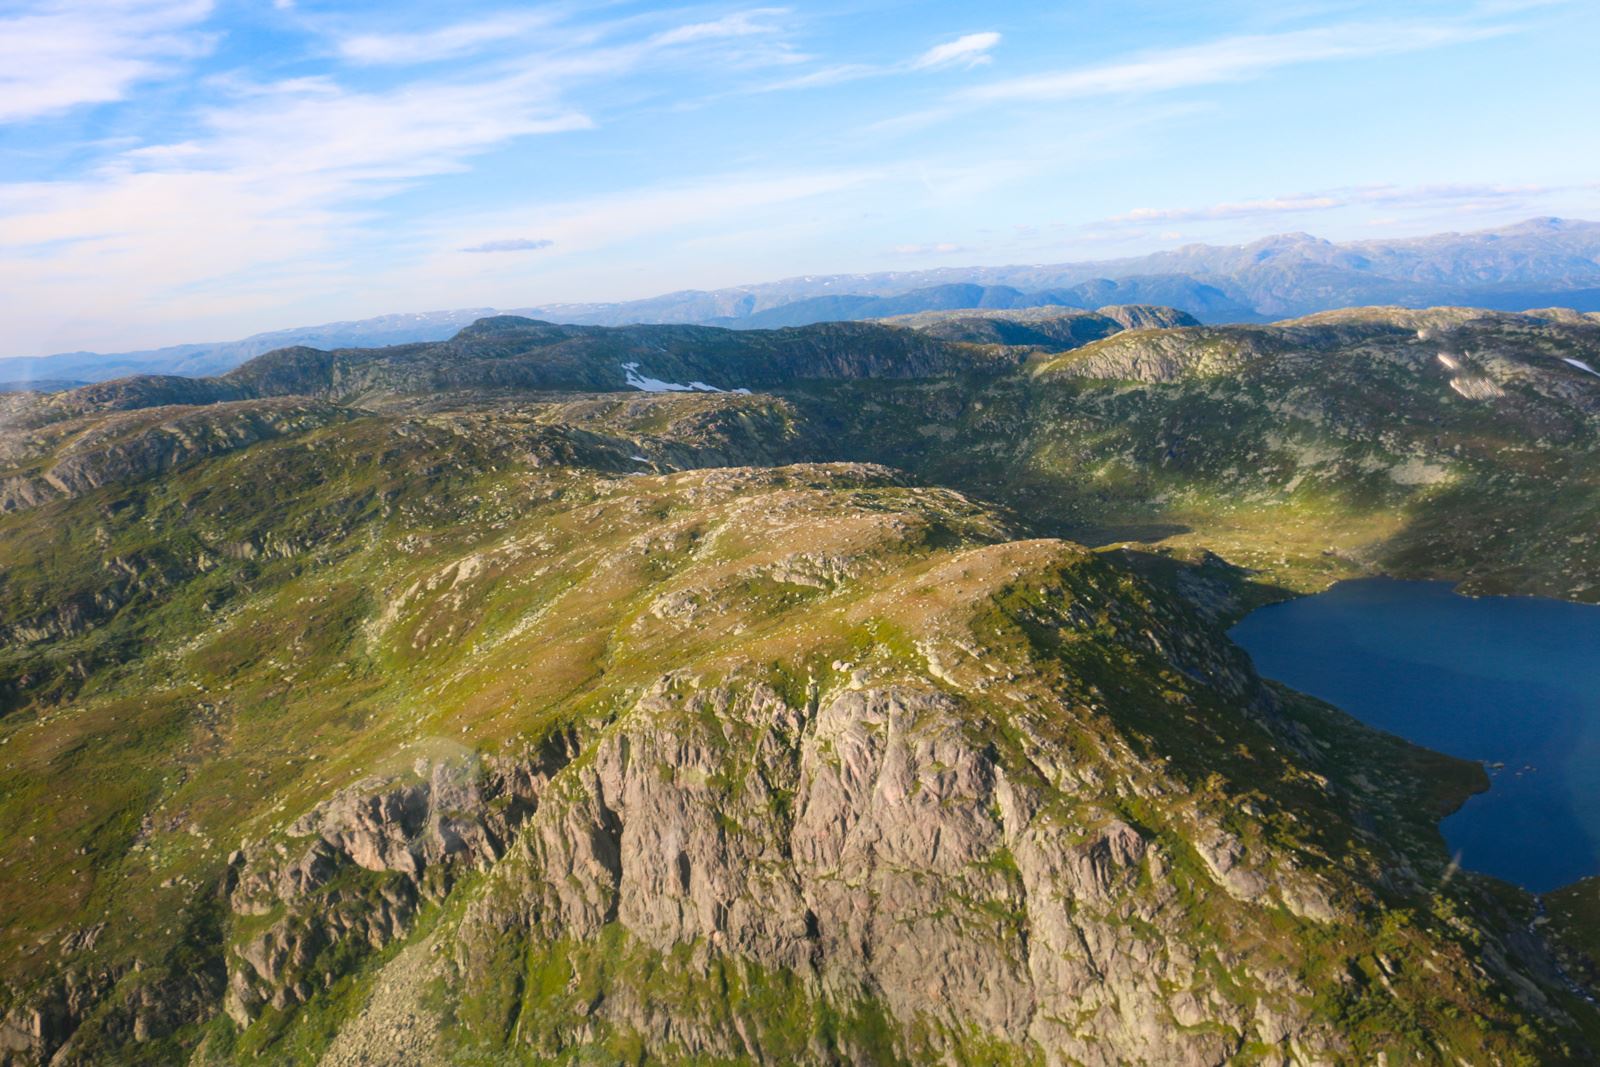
(1581, 365)
(656, 385)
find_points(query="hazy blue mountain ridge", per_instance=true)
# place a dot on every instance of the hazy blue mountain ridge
(1537, 263)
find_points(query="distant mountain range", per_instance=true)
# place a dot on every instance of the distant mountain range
(198, 360)
(1539, 263)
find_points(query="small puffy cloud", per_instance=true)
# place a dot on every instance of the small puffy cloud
(970, 50)
(511, 244)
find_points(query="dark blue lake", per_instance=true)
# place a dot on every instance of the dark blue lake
(1511, 681)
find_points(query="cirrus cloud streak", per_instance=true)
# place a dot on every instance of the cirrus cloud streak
(63, 55)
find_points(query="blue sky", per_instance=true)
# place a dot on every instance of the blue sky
(179, 170)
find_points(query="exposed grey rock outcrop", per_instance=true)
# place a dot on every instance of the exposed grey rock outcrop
(868, 843)
(1171, 355)
(134, 445)
(413, 838)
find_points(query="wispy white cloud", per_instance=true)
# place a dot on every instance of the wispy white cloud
(1241, 210)
(732, 215)
(1303, 203)
(591, 223)
(61, 55)
(739, 24)
(275, 190)
(542, 28)
(1232, 59)
(279, 182)
(444, 42)
(836, 74)
(941, 248)
(510, 244)
(970, 50)
(236, 197)
(1221, 61)
(1516, 7)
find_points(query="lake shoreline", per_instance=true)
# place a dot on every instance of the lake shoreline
(1500, 680)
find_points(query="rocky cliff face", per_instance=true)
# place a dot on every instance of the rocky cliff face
(356, 869)
(882, 855)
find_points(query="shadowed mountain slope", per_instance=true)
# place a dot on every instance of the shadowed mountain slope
(1050, 327)
(1437, 443)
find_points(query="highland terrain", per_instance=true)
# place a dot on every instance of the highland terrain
(853, 692)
